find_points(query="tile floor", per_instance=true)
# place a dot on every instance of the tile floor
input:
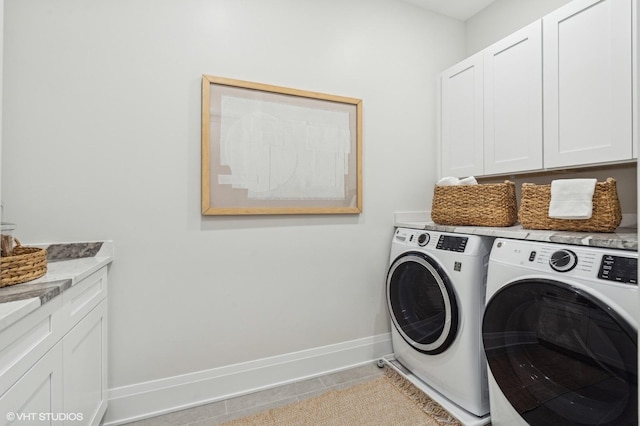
(222, 411)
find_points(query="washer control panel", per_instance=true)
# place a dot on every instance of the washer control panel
(619, 268)
(451, 243)
(423, 239)
(563, 260)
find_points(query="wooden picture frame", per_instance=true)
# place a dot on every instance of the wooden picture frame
(275, 150)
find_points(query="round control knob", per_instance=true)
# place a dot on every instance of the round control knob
(563, 260)
(423, 239)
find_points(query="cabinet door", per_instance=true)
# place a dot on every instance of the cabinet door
(461, 126)
(25, 342)
(36, 398)
(513, 102)
(82, 297)
(85, 366)
(587, 73)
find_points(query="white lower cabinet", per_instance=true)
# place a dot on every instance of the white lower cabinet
(36, 398)
(84, 351)
(53, 362)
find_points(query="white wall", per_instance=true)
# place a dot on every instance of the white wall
(503, 17)
(1, 68)
(102, 141)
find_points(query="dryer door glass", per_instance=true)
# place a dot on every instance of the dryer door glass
(422, 303)
(561, 356)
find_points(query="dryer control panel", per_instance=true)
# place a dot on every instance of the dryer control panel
(619, 268)
(451, 243)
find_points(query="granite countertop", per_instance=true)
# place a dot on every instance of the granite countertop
(624, 238)
(67, 264)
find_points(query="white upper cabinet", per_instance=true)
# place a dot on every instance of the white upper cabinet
(462, 119)
(513, 102)
(587, 73)
(561, 92)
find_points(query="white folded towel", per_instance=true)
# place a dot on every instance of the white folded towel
(468, 181)
(572, 198)
(448, 181)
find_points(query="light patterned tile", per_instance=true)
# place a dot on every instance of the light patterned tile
(184, 417)
(350, 375)
(272, 395)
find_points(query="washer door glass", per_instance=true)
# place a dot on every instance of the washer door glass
(422, 303)
(561, 356)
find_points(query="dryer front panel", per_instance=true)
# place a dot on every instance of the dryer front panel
(422, 303)
(561, 356)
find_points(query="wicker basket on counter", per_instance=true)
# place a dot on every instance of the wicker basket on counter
(606, 214)
(25, 264)
(492, 204)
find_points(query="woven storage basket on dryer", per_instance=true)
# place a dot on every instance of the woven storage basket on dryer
(25, 264)
(605, 217)
(492, 204)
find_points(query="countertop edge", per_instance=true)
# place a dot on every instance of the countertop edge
(19, 300)
(11, 312)
(622, 238)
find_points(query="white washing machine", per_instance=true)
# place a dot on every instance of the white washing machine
(560, 334)
(435, 295)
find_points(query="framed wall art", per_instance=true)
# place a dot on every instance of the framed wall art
(275, 150)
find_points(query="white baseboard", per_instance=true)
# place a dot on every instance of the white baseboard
(148, 399)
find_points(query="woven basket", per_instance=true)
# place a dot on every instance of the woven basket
(491, 204)
(605, 217)
(26, 264)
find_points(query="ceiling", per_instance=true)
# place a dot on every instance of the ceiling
(458, 9)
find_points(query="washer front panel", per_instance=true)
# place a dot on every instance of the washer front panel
(422, 303)
(560, 356)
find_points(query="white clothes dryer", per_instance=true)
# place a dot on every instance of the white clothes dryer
(560, 334)
(435, 296)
